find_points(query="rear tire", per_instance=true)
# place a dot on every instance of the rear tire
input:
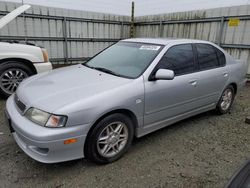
(109, 139)
(226, 100)
(12, 74)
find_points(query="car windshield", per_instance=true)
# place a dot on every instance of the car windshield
(125, 59)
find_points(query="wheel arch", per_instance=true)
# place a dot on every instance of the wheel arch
(28, 63)
(126, 112)
(235, 87)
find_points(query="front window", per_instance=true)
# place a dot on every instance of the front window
(125, 59)
(179, 58)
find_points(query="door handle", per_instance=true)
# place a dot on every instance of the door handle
(193, 83)
(225, 74)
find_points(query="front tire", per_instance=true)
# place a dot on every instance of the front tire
(226, 100)
(110, 139)
(12, 74)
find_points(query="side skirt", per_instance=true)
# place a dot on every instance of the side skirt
(158, 125)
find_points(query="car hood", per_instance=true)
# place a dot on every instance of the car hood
(57, 88)
(12, 15)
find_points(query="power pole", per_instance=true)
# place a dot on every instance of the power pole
(132, 20)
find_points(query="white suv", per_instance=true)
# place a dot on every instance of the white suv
(19, 61)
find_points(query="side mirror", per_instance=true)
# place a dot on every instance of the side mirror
(164, 74)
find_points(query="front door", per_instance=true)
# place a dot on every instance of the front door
(166, 99)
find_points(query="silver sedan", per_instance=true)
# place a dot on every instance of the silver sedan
(130, 89)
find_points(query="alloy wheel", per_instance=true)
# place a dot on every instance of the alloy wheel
(227, 98)
(11, 78)
(112, 139)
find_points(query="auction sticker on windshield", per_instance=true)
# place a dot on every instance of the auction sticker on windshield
(150, 47)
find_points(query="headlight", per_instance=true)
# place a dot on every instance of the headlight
(37, 116)
(45, 119)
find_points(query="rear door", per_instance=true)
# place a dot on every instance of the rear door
(212, 73)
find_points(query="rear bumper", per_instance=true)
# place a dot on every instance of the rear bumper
(43, 67)
(45, 144)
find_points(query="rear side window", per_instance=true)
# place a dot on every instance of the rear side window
(207, 56)
(179, 58)
(221, 57)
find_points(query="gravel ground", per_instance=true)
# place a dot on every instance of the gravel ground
(203, 151)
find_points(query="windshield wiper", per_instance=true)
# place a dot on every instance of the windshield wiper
(105, 70)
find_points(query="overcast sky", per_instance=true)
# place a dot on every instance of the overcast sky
(142, 7)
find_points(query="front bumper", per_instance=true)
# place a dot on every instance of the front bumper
(43, 67)
(45, 144)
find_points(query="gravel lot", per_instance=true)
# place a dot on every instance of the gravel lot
(203, 151)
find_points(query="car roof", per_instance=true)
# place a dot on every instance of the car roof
(164, 41)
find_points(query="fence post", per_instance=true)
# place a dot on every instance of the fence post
(219, 38)
(25, 27)
(121, 35)
(132, 20)
(66, 57)
(160, 29)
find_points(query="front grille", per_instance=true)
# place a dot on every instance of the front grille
(19, 104)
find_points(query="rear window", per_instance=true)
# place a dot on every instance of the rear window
(207, 56)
